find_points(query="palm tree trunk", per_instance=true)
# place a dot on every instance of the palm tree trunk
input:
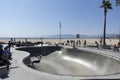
(104, 32)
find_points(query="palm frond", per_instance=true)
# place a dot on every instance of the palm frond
(117, 2)
(106, 4)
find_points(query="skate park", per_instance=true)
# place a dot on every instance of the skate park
(72, 64)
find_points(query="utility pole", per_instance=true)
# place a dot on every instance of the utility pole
(60, 31)
(119, 34)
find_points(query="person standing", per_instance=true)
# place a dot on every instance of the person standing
(85, 43)
(97, 45)
(9, 45)
(79, 43)
(100, 43)
(1, 48)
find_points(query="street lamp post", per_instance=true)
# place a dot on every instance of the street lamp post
(119, 34)
(60, 31)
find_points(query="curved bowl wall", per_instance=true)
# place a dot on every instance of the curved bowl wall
(74, 62)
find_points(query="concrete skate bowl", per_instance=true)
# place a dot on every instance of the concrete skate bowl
(44, 50)
(73, 62)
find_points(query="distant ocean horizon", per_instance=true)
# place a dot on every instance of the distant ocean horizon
(63, 36)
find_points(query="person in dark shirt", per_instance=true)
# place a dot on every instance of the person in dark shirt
(97, 45)
(9, 45)
(3, 59)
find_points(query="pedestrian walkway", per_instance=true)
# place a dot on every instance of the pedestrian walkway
(19, 71)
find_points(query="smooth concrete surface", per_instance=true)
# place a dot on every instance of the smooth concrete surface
(19, 71)
(76, 62)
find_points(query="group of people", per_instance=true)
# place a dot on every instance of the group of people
(99, 45)
(116, 47)
(5, 55)
(76, 43)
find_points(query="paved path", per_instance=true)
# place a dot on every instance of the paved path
(20, 71)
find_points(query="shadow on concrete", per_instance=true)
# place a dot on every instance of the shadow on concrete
(4, 76)
(36, 51)
(14, 67)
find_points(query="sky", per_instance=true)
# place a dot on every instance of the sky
(32, 18)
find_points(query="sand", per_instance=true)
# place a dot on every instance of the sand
(55, 41)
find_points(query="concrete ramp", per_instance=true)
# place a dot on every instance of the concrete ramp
(74, 62)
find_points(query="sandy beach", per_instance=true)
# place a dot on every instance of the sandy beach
(55, 41)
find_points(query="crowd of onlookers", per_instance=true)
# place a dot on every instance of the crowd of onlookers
(5, 55)
(76, 43)
(116, 47)
(98, 45)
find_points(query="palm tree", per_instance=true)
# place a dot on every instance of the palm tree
(105, 5)
(118, 4)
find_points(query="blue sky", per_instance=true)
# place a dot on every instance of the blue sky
(25, 18)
